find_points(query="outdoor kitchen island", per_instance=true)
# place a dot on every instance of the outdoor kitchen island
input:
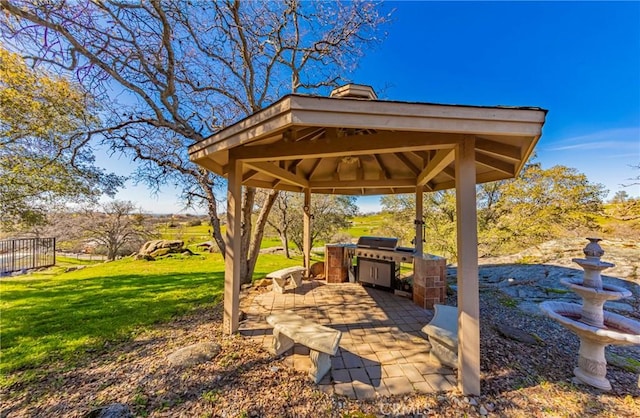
(378, 264)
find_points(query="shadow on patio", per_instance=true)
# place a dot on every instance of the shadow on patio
(382, 350)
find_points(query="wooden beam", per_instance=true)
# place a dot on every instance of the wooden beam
(313, 168)
(292, 166)
(305, 133)
(497, 148)
(407, 162)
(468, 296)
(232, 249)
(438, 163)
(419, 221)
(480, 178)
(279, 173)
(496, 164)
(367, 191)
(383, 169)
(212, 166)
(248, 175)
(273, 185)
(306, 230)
(424, 155)
(449, 172)
(382, 142)
(372, 184)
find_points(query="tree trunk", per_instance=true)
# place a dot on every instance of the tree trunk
(261, 222)
(212, 210)
(285, 242)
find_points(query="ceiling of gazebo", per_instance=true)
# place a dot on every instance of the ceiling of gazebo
(355, 146)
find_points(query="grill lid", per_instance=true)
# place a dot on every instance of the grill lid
(377, 242)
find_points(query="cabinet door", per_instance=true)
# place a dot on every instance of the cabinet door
(384, 273)
(366, 271)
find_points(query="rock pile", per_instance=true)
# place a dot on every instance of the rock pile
(150, 250)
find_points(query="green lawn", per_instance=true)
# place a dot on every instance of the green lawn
(196, 234)
(59, 316)
(367, 225)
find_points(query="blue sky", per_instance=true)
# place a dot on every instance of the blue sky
(581, 61)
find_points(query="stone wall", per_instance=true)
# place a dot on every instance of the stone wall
(429, 281)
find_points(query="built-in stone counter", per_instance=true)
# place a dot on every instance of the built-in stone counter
(429, 280)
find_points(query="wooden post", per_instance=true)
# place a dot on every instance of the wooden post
(306, 226)
(232, 248)
(467, 243)
(419, 221)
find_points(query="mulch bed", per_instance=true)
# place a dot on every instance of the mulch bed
(518, 379)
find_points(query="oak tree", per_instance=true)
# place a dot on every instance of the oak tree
(45, 158)
(171, 73)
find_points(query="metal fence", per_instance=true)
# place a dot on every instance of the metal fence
(26, 253)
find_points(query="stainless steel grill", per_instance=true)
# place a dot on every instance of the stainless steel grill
(382, 248)
(379, 259)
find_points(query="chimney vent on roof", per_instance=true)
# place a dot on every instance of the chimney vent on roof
(354, 91)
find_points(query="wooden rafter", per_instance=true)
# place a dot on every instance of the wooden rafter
(496, 148)
(249, 175)
(423, 155)
(211, 165)
(382, 142)
(347, 184)
(273, 185)
(441, 160)
(407, 162)
(315, 165)
(307, 133)
(383, 169)
(293, 164)
(496, 164)
(449, 172)
(279, 173)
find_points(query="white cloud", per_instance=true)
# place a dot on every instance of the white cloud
(612, 139)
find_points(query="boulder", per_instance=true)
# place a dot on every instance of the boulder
(160, 252)
(517, 334)
(145, 257)
(194, 354)
(114, 410)
(316, 269)
(161, 246)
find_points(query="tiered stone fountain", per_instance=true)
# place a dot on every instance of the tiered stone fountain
(595, 327)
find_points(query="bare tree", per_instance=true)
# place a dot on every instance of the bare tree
(281, 217)
(329, 214)
(116, 225)
(170, 73)
(635, 181)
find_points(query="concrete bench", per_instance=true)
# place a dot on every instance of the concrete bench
(443, 335)
(281, 277)
(290, 328)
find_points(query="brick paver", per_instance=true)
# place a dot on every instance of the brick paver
(382, 350)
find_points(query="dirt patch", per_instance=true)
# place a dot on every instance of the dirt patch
(518, 380)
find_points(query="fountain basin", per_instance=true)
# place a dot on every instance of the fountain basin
(593, 263)
(618, 329)
(608, 292)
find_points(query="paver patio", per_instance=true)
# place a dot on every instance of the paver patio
(382, 350)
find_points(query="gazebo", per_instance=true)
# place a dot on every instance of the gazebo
(351, 143)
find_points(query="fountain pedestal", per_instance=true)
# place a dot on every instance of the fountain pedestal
(595, 327)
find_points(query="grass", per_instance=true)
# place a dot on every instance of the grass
(53, 315)
(192, 235)
(367, 225)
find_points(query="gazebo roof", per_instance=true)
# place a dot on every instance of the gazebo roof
(358, 145)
